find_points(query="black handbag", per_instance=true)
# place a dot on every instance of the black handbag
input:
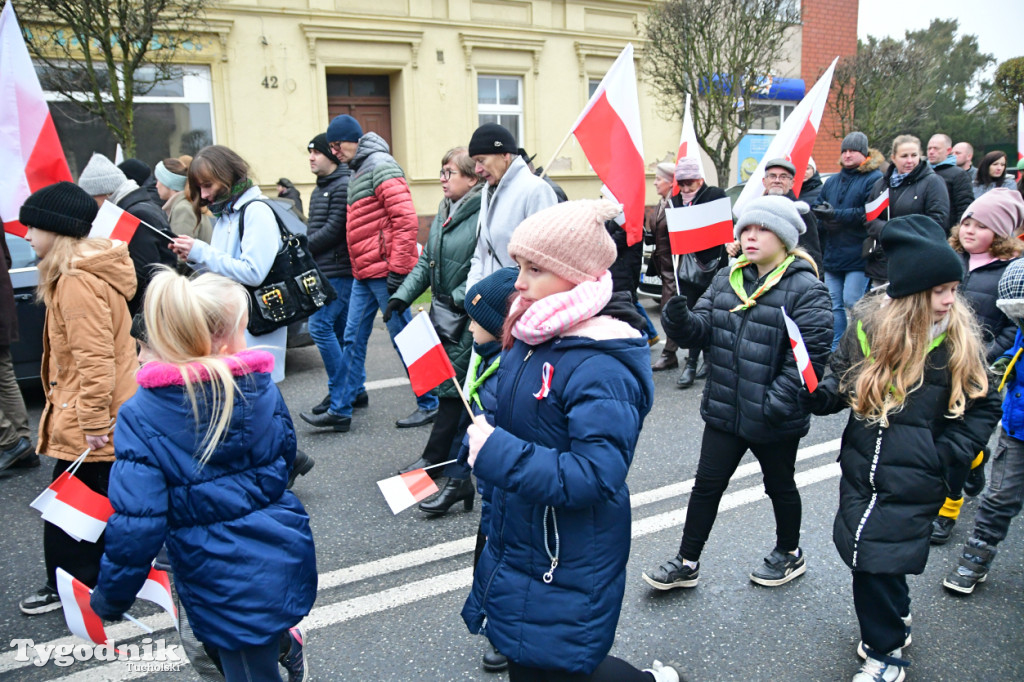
(448, 320)
(695, 275)
(294, 289)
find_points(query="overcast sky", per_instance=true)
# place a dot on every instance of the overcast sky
(997, 24)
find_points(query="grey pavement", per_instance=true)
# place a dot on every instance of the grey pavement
(391, 587)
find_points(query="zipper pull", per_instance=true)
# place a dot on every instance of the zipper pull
(550, 575)
(528, 354)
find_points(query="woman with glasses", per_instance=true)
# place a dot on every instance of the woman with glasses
(443, 267)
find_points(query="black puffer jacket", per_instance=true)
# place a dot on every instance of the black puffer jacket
(922, 192)
(894, 479)
(958, 188)
(811, 188)
(753, 381)
(628, 260)
(328, 207)
(146, 248)
(980, 287)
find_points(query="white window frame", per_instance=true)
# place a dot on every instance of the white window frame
(785, 108)
(503, 109)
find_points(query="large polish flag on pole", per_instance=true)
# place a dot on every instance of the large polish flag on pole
(688, 145)
(795, 139)
(1020, 132)
(423, 355)
(608, 130)
(30, 153)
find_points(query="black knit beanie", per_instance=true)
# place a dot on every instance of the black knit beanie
(63, 208)
(491, 138)
(136, 170)
(319, 143)
(919, 256)
(487, 300)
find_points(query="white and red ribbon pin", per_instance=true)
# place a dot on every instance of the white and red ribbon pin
(545, 385)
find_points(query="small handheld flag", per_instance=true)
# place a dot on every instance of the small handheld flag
(72, 506)
(695, 228)
(874, 208)
(405, 490)
(423, 355)
(113, 222)
(81, 619)
(803, 360)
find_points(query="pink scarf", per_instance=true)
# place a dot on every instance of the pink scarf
(552, 316)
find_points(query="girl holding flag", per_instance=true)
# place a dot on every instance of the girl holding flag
(575, 386)
(750, 399)
(911, 367)
(203, 454)
(88, 363)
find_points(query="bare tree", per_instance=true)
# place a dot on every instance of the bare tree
(101, 54)
(720, 52)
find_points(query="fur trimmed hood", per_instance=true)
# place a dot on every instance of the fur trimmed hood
(158, 374)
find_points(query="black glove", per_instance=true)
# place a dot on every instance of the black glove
(811, 403)
(823, 211)
(394, 306)
(676, 308)
(394, 281)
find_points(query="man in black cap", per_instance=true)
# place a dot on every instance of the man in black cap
(511, 194)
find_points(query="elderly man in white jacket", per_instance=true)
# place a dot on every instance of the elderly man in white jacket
(511, 194)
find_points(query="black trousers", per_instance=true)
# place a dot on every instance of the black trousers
(80, 559)
(881, 601)
(445, 430)
(611, 669)
(720, 454)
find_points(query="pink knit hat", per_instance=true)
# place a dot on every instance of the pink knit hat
(568, 239)
(687, 169)
(1000, 210)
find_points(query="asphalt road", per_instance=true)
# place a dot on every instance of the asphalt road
(391, 587)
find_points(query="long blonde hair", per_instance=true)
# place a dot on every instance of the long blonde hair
(186, 322)
(58, 261)
(899, 332)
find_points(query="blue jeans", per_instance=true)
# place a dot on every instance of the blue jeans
(845, 289)
(649, 329)
(327, 329)
(368, 296)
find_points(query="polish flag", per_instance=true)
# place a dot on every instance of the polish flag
(608, 130)
(405, 490)
(79, 511)
(794, 141)
(803, 360)
(873, 209)
(81, 619)
(688, 145)
(695, 228)
(423, 354)
(30, 153)
(114, 223)
(1020, 132)
(157, 589)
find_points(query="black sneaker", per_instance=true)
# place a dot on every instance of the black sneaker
(295, 660)
(11, 456)
(44, 600)
(975, 482)
(942, 529)
(671, 574)
(323, 405)
(300, 467)
(327, 420)
(362, 400)
(779, 568)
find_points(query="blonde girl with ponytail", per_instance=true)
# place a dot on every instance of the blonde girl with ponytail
(204, 451)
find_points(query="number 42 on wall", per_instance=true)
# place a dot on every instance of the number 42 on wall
(269, 82)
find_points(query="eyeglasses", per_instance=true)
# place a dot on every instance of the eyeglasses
(334, 146)
(779, 176)
(446, 174)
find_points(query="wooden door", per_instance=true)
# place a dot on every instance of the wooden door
(367, 98)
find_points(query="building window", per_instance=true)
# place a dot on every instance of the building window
(500, 100)
(594, 82)
(767, 116)
(172, 117)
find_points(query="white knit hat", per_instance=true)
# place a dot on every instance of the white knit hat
(778, 214)
(100, 176)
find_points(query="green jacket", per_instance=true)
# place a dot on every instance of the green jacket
(443, 267)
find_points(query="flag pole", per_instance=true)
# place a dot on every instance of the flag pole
(138, 622)
(553, 156)
(675, 273)
(157, 230)
(465, 402)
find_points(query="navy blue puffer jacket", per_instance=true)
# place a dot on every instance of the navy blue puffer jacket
(239, 543)
(560, 461)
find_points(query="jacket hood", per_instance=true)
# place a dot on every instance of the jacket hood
(113, 266)
(368, 144)
(136, 196)
(341, 171)
(156, 374)
(874, 161)
(948, 161)
(812, 182)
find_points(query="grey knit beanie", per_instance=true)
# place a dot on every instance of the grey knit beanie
(779, 214)
(856, 141)
(101, 176)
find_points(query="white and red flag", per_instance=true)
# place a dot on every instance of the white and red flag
(423, 354)
(30, 153)
(608, 130)
(695, 228)
(73, 507)
(1020, 132)
(794, 141)
(81, 619)
(113, 222)
(874, 208)
(688, 145)
(803, 360)
(405, 490)
(157, 589)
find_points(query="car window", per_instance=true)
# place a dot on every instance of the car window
(22, 255)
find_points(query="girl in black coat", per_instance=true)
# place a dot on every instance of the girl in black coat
(750, 399)
(912, 369)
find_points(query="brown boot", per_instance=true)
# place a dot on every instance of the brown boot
(666, 361)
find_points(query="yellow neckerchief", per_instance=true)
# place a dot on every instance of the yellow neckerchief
(865, 347)
(474, 383)
(736, 281)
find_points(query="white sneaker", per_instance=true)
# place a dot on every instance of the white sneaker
(907, 622)
(875, 670)
(662, 672)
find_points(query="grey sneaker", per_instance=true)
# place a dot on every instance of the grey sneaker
(44, 600)
(779, 568)
(671, 574)
(295, 660)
